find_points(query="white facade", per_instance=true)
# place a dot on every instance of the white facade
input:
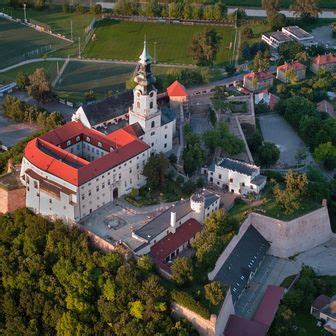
(238, 177)
(86, 198)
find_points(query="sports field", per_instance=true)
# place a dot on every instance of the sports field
(50, 68)
(123, 40)
(18, 43)
(80, 77)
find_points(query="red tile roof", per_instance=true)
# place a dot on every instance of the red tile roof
(173, 241)
(176, 89)
(48, 154)
(239, 326)
(269, 305)
(292, 65)
(261, 75)
(324, 59)
(325, 106)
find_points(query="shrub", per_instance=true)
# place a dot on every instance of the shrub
(186, 300)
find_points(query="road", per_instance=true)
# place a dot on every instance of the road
(258, 12)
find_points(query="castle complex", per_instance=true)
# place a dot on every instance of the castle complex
(79, 167)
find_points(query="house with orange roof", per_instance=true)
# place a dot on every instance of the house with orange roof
(283, 71)
(326, 62)
(325, 106)
(256, 81)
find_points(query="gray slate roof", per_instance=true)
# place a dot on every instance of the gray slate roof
(238, 166)
(108, 108)
(160, 223)
(243, 260)
(259, 180)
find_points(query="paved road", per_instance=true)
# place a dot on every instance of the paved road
(258, 12)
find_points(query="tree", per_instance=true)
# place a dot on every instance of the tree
(152, 8)
(306, 9)
(22, 80)
(268, 154)
(39, 4)
(278, 21)
(174, 11)
(291, 76)
(289, 50)
(300, 155)
(96, 9)
(214, 292)
(39, 86)
(155, 170)
(182, 270)
(204, 47)
(295, 187)
(271, 7)
(326, 153)
(260, 62)
(247, 32)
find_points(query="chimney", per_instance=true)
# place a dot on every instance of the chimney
(173, 221)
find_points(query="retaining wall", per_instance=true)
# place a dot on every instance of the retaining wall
(295, 236)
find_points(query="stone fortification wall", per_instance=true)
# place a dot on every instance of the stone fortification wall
(203, 326)
(224, 314)
(295, 236)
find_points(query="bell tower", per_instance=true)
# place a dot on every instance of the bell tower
(144, 109)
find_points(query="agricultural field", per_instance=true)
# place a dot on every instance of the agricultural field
(124, 41)
(50, 68)
(19, 43)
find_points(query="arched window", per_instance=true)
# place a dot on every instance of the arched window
(151, 105)
(138, 104)
(153, 124)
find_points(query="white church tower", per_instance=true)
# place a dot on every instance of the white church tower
(145, 110)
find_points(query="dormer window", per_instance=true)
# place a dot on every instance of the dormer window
(138, 94)
(151, 94)
(88, 139)
(100, 144)
(68, 142)
(78, 138)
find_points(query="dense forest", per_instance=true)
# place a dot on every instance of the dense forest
(53, 283)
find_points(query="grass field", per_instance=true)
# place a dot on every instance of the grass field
(50, 68)
(18, 43)
(124, 40)
(283, 3)
(80, 77)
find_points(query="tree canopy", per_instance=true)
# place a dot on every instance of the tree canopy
(53, 282)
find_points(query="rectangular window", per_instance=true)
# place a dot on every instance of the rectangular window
(35, 184)
(152, 133)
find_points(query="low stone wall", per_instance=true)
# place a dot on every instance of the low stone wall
(203, 326)
(295, 236)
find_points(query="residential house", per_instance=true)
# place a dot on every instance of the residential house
(326, 62)
(324, 308)
(283, 71)
(256, 81)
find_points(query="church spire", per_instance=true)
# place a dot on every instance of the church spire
(144, 77)
(145, 57)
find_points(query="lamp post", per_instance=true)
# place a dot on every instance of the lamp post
(71, 32)
(24, 12)
(155, 52)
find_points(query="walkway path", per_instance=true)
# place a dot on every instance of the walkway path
(101, 61)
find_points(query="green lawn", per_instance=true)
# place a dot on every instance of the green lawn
(49, 66)
(283, 3)
(18, 43)
(80, 77)
(124, 41)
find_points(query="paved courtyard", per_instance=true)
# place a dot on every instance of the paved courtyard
(115, 221)
(276, 129)
(274, 270)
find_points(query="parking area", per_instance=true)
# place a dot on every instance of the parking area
(274, 270)
(323, 35)
(276, 129)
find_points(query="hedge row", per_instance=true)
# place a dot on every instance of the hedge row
(186, 300)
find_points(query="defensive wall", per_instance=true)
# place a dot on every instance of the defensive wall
(295, 236)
